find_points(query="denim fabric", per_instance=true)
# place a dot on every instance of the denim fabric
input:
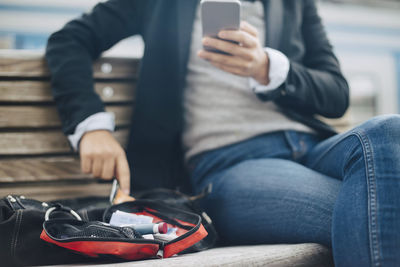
(291, 187)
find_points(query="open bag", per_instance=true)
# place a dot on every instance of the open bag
(78, 230)
(96, 239)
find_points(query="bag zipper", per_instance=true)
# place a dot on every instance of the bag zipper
(160, 252)
(179, 238)
(15, 202)
(11, 202)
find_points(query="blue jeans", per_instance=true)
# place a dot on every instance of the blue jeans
(291, 187)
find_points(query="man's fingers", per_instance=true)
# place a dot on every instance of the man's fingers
(247, 27)
(86, 164)
(123, 174)
(221, 59)
(104, 157)
(242, 37)
(227, 47)
(97, 167)
(108, 169)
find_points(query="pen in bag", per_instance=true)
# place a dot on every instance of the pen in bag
(116, 194)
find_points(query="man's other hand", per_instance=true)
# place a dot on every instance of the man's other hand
(246, 59)
(103, 157)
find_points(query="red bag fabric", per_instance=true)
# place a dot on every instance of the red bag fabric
(111, 241)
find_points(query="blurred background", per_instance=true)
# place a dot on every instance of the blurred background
(365, 35)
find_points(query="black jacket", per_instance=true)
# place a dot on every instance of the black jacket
(314, 85)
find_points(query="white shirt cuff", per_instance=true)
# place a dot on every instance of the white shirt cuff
(98, 121)
(278, 71)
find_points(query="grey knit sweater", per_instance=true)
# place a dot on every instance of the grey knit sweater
(221, 108)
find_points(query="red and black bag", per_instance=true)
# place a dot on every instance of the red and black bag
(22, 222)
(100, 239)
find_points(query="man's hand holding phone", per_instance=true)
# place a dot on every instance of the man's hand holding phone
(103, 157)
(247, 58)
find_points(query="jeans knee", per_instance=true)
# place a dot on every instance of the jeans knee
(380, 141)
(385, 128)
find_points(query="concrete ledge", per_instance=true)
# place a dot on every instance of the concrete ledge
(261, 255)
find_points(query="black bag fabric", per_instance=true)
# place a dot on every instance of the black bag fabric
(21, 224)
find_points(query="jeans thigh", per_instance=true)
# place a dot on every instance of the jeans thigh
(367, 211)
(271, 201)
(288, 145)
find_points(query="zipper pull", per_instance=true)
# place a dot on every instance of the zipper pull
(160, 253)
(11, 199)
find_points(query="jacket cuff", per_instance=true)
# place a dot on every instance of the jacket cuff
(97, 121)
(278, 72)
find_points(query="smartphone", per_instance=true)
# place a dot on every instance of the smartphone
(217, 15)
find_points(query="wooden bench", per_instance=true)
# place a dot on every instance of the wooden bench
(36, 159)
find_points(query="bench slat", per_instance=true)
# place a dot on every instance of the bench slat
(46, 192)
(35, 157)
(40, 91)
(23, 65)
(47, 116)
(41, 169)
(43, 142)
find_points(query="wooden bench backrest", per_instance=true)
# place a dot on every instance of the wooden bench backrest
(35, 157)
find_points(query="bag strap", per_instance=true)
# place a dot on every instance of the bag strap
(191, 237)
(188, 240)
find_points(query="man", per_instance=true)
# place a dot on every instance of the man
(243, 122)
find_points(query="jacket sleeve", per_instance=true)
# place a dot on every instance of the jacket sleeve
(316, 85)
(70, 53)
